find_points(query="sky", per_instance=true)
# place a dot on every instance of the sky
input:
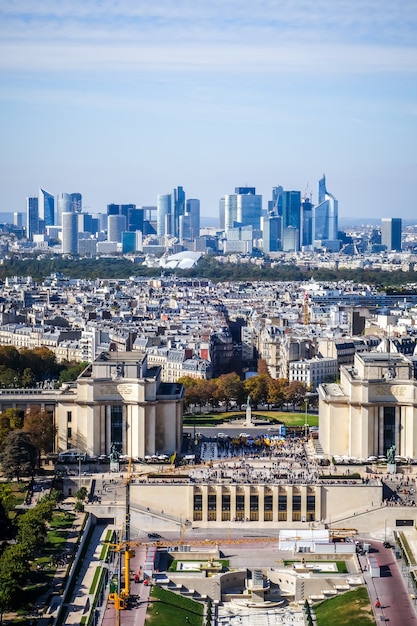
(122, 100)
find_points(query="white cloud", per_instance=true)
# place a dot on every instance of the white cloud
(56, 56)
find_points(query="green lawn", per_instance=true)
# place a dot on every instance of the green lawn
(274, 417)
(349, 609)
(174, 564)
(166, 607)
(341, 566)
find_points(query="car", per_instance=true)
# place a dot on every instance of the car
(221, 435)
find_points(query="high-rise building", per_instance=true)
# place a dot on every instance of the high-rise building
(391, 233)
(163, 214)
(243, 208)
(134, 218)
(222, 222)
(306, 222)
(275, 205)
(291, 220)
(230, 211)
(249, 207)
(77, 202)
(32, 217)
(272, 225)
(46, 208)
(64, 204)
(18, 220)
(116, 225)
(325, 217)
(177, 210)
(113, 209)
(69, 233)
(192, 210)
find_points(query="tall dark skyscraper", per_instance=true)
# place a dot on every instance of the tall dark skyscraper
(46, 208)
(32, 217)
(192, 213)
(243, 208)
(291, 220)
(306, 222)
(391, 233)
(325, 215)
(77, 202)
(177, 210)
(275, 205)
(272, 233)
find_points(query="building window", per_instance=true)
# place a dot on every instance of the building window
(254, 508)
(389, 427)
(282, 508)
(212, 507)
(240, 507)
(69, 416)
(311, 508)
(296, 508)
(198, 507)
(116, 426)
(226, 507)
(69, 433)
(268, 508)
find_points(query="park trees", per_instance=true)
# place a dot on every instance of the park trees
(10, 419)
(40, 427)
(276, 391)
(295, 392)
(18, 457)
(230, 388)
(257, 388)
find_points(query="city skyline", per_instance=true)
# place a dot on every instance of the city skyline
(128, 101)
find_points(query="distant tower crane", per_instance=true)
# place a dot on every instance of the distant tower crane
(306, 313)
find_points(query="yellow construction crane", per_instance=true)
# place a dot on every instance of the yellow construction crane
(122, 595)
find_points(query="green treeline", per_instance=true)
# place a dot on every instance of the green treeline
(208, 267)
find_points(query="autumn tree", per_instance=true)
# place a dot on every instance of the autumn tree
(257, 388)
(263, 367)
(10, 419)
(189, 385)
(10, 357)
(295, 392)
(40, 427)
(276, 391)
(229, 388)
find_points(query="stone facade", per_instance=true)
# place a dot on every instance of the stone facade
(372, 409)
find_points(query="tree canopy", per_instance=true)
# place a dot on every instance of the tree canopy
(19, 454)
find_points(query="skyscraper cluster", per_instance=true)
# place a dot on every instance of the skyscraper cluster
(290, 223)
(121, 228)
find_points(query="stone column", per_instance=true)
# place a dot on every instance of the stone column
(246, 490)
(381, 431)
(261, 503)
(232, 502)
(274, 503)
(204, 493)
(304, 502)
(290, 489)
(397, 429)
(219, 491)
